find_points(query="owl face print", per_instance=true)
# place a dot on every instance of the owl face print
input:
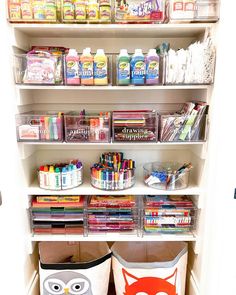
(67, 283)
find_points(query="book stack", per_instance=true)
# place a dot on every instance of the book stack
(57, 215)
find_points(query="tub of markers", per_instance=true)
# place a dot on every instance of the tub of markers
(113, 172)
(167, 175)
(61, 176)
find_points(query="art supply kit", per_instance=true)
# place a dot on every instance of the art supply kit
(113, 172)
(60, 176)
(116, 11)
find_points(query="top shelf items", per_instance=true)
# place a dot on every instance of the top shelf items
(112, 11)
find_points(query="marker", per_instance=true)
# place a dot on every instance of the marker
(51, 178)
(54, 128)
(64, 178)
(59, 127)
(57, 179)
(41, 177)
(46, 178)
(42, 128)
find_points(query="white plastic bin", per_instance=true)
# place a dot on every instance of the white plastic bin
(149, 267)
(74, 268)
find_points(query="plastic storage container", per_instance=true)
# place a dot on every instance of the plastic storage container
(135, 126)
(140, 11)
(167, 175)
(38, 68)
(81, 11)
(39, 126)
(149, 267)
(193, 10)
(61, 176)
(168, 214)
(36, 11)
(81, 127)
(175, 128)
(74, 267)
(57, 214)
(113, 214)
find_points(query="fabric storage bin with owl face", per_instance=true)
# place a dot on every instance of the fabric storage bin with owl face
(149, 268)
(74, 268)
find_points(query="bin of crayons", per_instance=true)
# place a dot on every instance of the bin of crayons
(140, 11)
(112, 214)
(44, 67)
(167, 175)
(82, 127)
(61, 176)
(132, 126)
(168, 214)
(81, 11)
(113, 172)
(57, 214)
(28, 11)
(39, 126)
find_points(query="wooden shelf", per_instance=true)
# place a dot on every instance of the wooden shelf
(112, 30)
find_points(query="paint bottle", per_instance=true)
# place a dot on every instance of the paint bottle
(86, 63)
(72, 68)
(80, 9)
(137, 68)
(123, 68)
(100, 68)
(152, 67)
(68, 10)
(93, 10)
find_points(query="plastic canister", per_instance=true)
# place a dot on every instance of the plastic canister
(137, 68)
(86, 64)
(152, 67)
(123, 68)
(72, 68)
(100, 68)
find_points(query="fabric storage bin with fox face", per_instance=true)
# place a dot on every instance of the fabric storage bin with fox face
(149, 268)
(74, 268)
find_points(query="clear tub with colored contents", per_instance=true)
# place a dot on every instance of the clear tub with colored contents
(81, 11)
(81, 127)
(166, 175)
(39, 126)
(193, 10)
(38, 67)
(168, 214)
(135, 126)
(134, 11)
(113, 214)
(174, 128)
(37, 11)
(90, 72)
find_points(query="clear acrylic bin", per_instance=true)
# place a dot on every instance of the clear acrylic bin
(87, 128)
(37, 11)
(81, 11)
(135, 126)
(121, 183)
(38, 68)
(140, 11)
(165, 176)
(168, 214)
(39, 126)
(113, 216)
(102, 70)
(174, 128)
(193, 10)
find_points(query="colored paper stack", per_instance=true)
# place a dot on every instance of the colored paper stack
(58, 214)
(112, 214)
(168, 214)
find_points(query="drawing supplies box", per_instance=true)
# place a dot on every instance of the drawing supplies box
(167, 175)
(136, 11)
(112, 216)
(132, 126)
(39, 126)
(171, 214)
(39, 67)
(83, 127)
(57, 216)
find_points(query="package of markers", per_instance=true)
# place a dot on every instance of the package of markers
(39, 126)
(112, 214)
(113, 172)
(57, 214)
(61, 176)
(168, 214)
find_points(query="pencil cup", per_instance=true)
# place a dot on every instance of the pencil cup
(166, 175)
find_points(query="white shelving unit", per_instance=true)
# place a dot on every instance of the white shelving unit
(112, 37)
